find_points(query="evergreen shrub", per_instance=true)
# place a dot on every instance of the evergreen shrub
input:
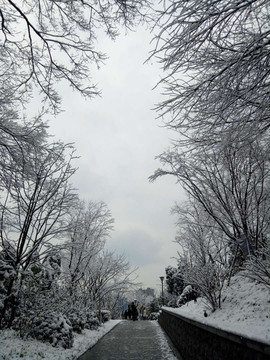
(54, 328)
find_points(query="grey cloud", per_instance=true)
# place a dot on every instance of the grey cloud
(117, 138)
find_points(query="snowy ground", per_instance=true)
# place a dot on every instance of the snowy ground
(245, 310)
(12, 347)
(166, 350)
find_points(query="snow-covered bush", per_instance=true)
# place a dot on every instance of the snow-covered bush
(7, 291)
(77, 320)
(187, 295)
(83, 319)
(153, 316)
(54, 328)
(174, 280)
(172, 302)
(105, 315)
(7, 273)
(209, 281)
(38, 292)
(154, 306)
(92, 322)
(258, 267)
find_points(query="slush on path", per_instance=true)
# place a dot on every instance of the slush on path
(132, 340)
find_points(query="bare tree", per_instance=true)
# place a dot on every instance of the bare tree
(231, 186)
(216, 60)
(204, 255)
(34, 210)
(200, 239)
(43, 42)
(258, 267)
(90, 226)
(209, 281)
(215, 55)
(17, 133)
(111, 274)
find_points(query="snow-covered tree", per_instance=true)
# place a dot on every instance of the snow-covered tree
(92, 277)
(201, 241)
(34, 212)
(18, 134)
(90, 227)
(208, 280)
(231, 187)
(43, 42)
(110, 274)
(258, 267)
(174, 280)
(204, 255)
(215, 55)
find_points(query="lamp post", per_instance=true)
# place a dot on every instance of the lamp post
(162, 294)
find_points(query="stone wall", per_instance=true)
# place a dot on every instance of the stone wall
(197, 341)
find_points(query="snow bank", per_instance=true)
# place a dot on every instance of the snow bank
(166, 351)
(13, 347)
(245, 310)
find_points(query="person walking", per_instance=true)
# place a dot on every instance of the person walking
(129, 311)
(134, 311)
(144, 314)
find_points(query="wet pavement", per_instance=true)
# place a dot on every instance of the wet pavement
(133, 340)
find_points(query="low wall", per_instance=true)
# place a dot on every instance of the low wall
(197, 341)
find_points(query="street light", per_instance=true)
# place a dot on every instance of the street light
(162, 294)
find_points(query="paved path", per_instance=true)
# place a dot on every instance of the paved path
(132, 340)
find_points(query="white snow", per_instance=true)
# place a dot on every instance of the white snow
(166, 351)
(245, 310)
(13, 347)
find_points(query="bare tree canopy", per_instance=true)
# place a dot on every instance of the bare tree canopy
(37, 201)
(45, 41)
(89, 228)
(231, 186)
(216, 60)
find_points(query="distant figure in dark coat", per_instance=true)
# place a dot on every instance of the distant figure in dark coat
(134, 311)
(129, 312)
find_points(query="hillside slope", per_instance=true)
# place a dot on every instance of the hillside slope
(245, 310)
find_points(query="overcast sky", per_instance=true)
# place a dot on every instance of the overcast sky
(117, 138)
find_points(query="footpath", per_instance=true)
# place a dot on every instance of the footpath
(133, 340)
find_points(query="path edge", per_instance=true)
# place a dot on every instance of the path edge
(171, 344)
(91, 347)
